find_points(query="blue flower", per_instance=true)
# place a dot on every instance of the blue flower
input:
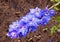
(32, 28)
(51, 12)
(14, 26)
(45, 20)
(30, 22)
(23, 31)
(12, 34)
(34, 21)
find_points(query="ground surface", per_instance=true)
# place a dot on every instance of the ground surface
(11, 10)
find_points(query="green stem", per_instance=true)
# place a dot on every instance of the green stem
(54, 5)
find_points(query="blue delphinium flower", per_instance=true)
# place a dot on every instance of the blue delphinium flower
(30, 22)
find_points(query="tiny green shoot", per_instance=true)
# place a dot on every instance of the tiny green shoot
(53, 29)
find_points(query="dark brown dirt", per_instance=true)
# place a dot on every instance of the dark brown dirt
(11, 10)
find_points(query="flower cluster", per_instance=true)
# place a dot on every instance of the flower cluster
(30, 22)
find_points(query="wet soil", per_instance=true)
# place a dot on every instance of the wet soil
(11, 10)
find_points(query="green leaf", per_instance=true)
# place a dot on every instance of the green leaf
(57, 18)
(53, 29)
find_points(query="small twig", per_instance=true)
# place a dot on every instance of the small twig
(54, 5)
